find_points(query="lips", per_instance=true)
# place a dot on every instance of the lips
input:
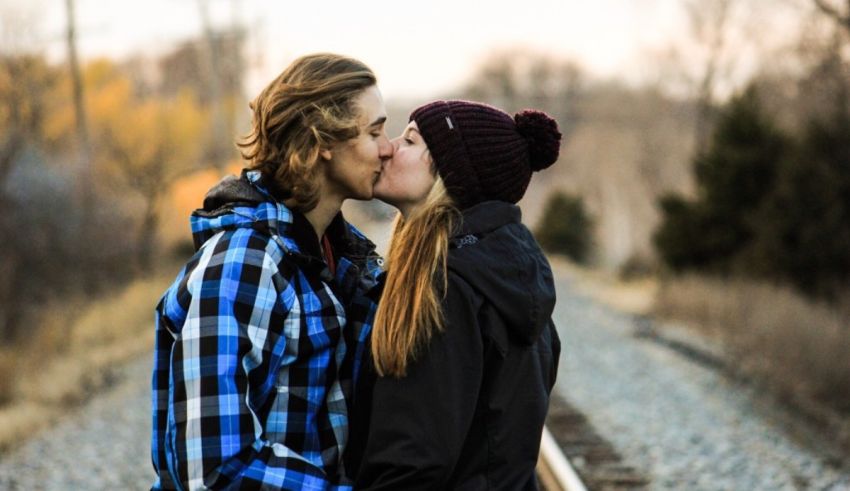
(380, 171)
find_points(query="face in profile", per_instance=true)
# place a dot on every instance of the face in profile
(409, 175)
(353, 166)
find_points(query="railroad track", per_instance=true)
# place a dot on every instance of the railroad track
(553, 468)
(573, 457)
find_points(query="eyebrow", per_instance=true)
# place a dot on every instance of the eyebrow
(381, 120)
(408, 130)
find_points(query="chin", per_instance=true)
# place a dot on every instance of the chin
(386, 199)
(380, 195)
(361, 194)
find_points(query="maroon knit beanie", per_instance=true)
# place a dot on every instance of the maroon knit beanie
(482, 153)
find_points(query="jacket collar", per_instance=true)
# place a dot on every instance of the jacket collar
(344, 242)
(487, 216)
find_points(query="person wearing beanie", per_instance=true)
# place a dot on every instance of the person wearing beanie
(463, 347)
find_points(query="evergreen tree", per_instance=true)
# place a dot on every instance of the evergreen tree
(565, 227)
(734, 176)
(804, 226)
(679, 239)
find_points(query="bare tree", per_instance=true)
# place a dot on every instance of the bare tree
(149, 181)
(20, 88)
(496, 81)
(24, 80)
(19, 119)
(840, 15)
(161, 144)
(217, 151)
(84, 151)
(517, 79)
(709, 25)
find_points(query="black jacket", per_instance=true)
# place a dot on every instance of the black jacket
(470, 411)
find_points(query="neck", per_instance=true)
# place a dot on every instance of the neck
(408, 209)
(405, 210)
(322, 215)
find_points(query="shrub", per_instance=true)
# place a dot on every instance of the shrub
(565, 227)
(770, 333)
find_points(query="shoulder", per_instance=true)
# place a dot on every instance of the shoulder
(246, 258)
(244, 246)
(461, 298)
(457, 284)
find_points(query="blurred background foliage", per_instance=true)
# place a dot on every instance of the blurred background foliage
(84, 180)
(729, 161)
(696, 168)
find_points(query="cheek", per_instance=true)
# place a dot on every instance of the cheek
(370, 149)
(416, 180)
(360, 155)
(424, 185)
(363, 153)
(393, 179)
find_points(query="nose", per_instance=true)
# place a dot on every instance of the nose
(386, 149)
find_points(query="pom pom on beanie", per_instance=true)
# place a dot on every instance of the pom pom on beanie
(541, 133)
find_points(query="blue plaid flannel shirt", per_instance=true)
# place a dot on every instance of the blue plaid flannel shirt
(257, 350)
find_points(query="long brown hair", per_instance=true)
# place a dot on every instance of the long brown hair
(410, 312)
(304, 110)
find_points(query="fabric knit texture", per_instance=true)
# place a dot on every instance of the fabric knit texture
(482, 153)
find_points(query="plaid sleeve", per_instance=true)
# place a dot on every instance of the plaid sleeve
(223, 365)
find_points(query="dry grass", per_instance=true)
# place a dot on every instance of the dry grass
(635, 296)
(770, 334)
(796, 347)
(72, 354)
(7, 382)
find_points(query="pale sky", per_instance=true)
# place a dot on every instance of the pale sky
(417, 49)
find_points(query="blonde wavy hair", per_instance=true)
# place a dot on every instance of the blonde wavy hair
(304, 110)
(410, 310)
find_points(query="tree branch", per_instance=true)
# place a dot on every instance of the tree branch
(831, 11)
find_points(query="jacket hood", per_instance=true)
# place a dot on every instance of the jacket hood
(243, 202)
(238, 202)
(497, 255)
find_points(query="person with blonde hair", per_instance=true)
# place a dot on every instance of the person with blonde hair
(464, 350)
(259, 340)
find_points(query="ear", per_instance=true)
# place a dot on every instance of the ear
(325, 154)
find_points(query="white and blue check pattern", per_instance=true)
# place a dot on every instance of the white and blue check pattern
(257, 350)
